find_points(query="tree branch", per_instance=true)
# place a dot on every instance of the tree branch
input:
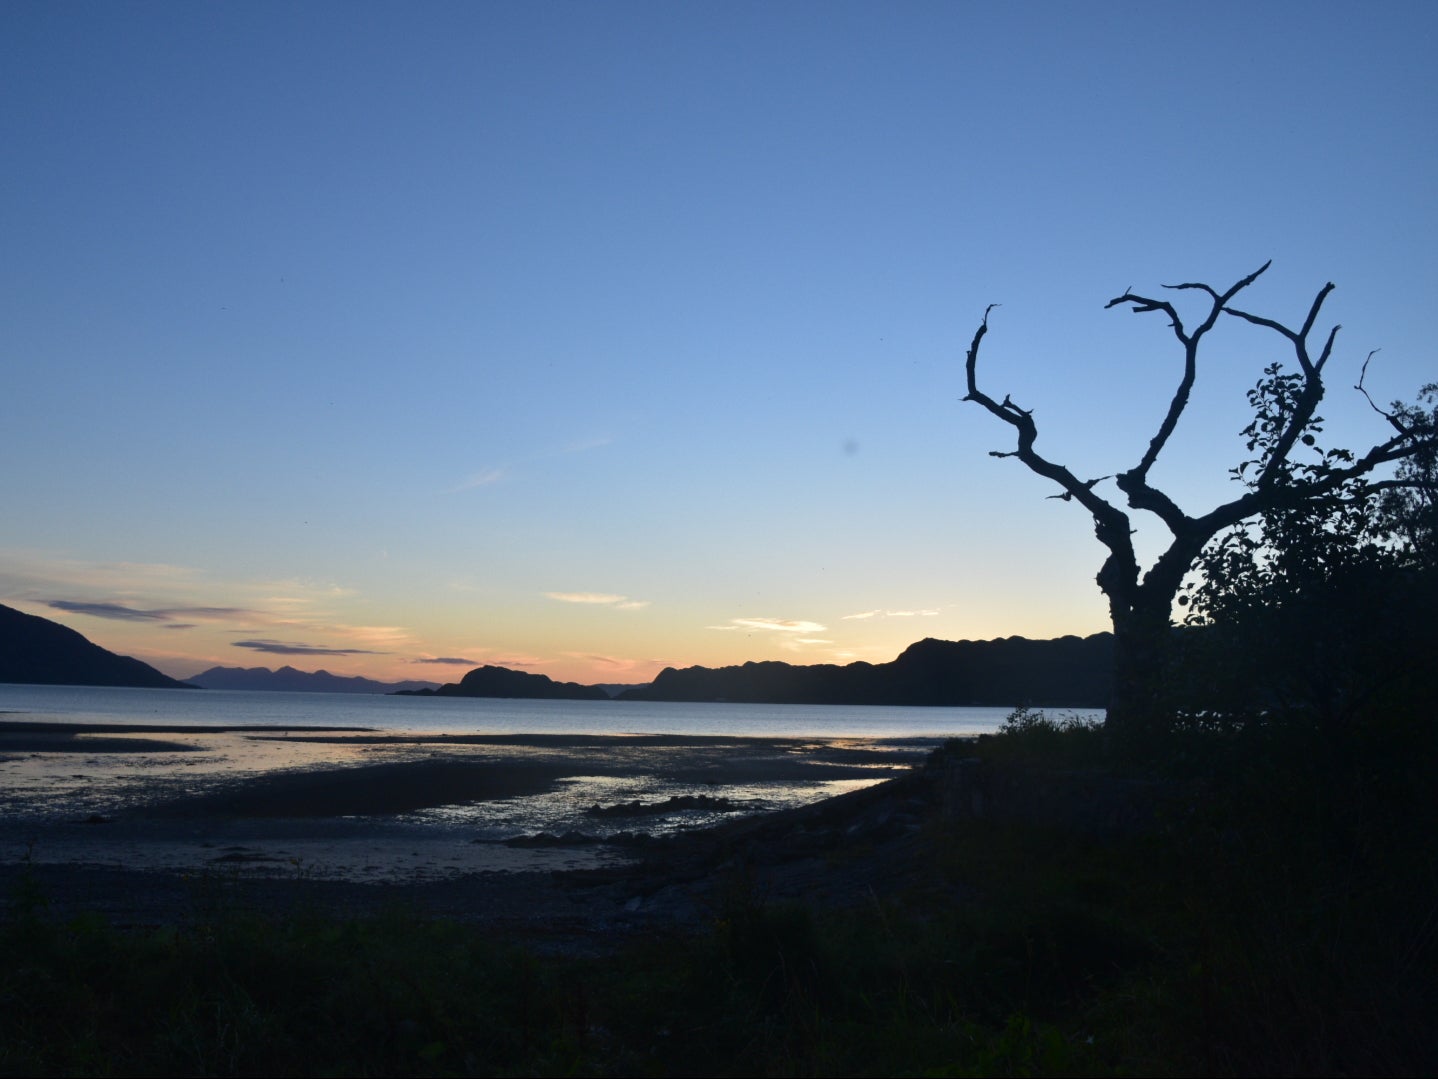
(1134, 483)
(1397, 426)
(1111, 525)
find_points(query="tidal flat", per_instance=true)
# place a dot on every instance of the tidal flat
(394, 810)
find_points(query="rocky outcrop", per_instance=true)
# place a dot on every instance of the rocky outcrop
(503, 682)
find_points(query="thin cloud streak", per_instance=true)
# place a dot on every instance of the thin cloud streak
(490, 476)
(281, 648)
(776, 625)
(486, 478)
(598, 599)
(583, 446)
(518, 661)
(892, 614)
(605, 663)
(120, 613)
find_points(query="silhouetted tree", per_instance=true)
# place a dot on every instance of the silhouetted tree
(1321, 609)
(1141, 602)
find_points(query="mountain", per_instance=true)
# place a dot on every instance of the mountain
(38, 651)
(289, 680)
(502, 682)
(1072, 672)
(614, 689)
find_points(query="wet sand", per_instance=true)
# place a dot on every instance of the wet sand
(328, 806)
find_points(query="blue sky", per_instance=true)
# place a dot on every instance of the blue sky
(593, 338)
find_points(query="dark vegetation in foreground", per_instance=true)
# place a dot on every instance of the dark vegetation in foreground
(1270, 908)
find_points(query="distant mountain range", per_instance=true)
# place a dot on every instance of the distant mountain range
(1069, 672)
(289, 680)
(41, 652)
(1073, 672)
(1066, 672)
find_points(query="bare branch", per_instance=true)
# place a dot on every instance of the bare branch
(1313, 311)
(1259, 320)
(1111, 525)
(1327, 348)
(1134, 483)
(1144, 304)
(1195, 284)
(1362, 374)
(1250, 279)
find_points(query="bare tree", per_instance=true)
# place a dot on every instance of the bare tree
(1141, 602)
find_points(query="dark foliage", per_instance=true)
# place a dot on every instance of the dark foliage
(1319, 612)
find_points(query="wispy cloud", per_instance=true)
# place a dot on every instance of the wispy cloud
(892, 614)
(374, 635)
(776, 625)
(605, 599)
(109, 610)
(141, 592)
(456, 661)
(605, 663)
(284, 648)
(518, 661)
(486, 477)
(31, 575)
(35, 575)
(586, 597)
(121, 613)
(483, 478)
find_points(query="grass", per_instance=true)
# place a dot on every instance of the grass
(1282, 918)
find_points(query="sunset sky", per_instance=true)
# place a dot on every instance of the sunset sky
(591, 338)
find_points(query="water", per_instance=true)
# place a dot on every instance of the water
(756, 757)
(229, 708)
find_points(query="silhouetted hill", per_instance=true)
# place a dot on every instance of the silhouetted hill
(1072, 672)
(502, 682)
(289, 680)
(38, 651)
(614, 689)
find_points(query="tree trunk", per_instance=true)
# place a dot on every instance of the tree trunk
(1142, 639)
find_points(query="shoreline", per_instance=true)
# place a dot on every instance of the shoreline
(442, 813)
(674, 884)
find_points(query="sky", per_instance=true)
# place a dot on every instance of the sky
(594, 338)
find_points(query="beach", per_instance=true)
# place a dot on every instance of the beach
(548, 834)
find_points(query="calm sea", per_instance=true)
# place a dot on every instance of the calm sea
(222, 708)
